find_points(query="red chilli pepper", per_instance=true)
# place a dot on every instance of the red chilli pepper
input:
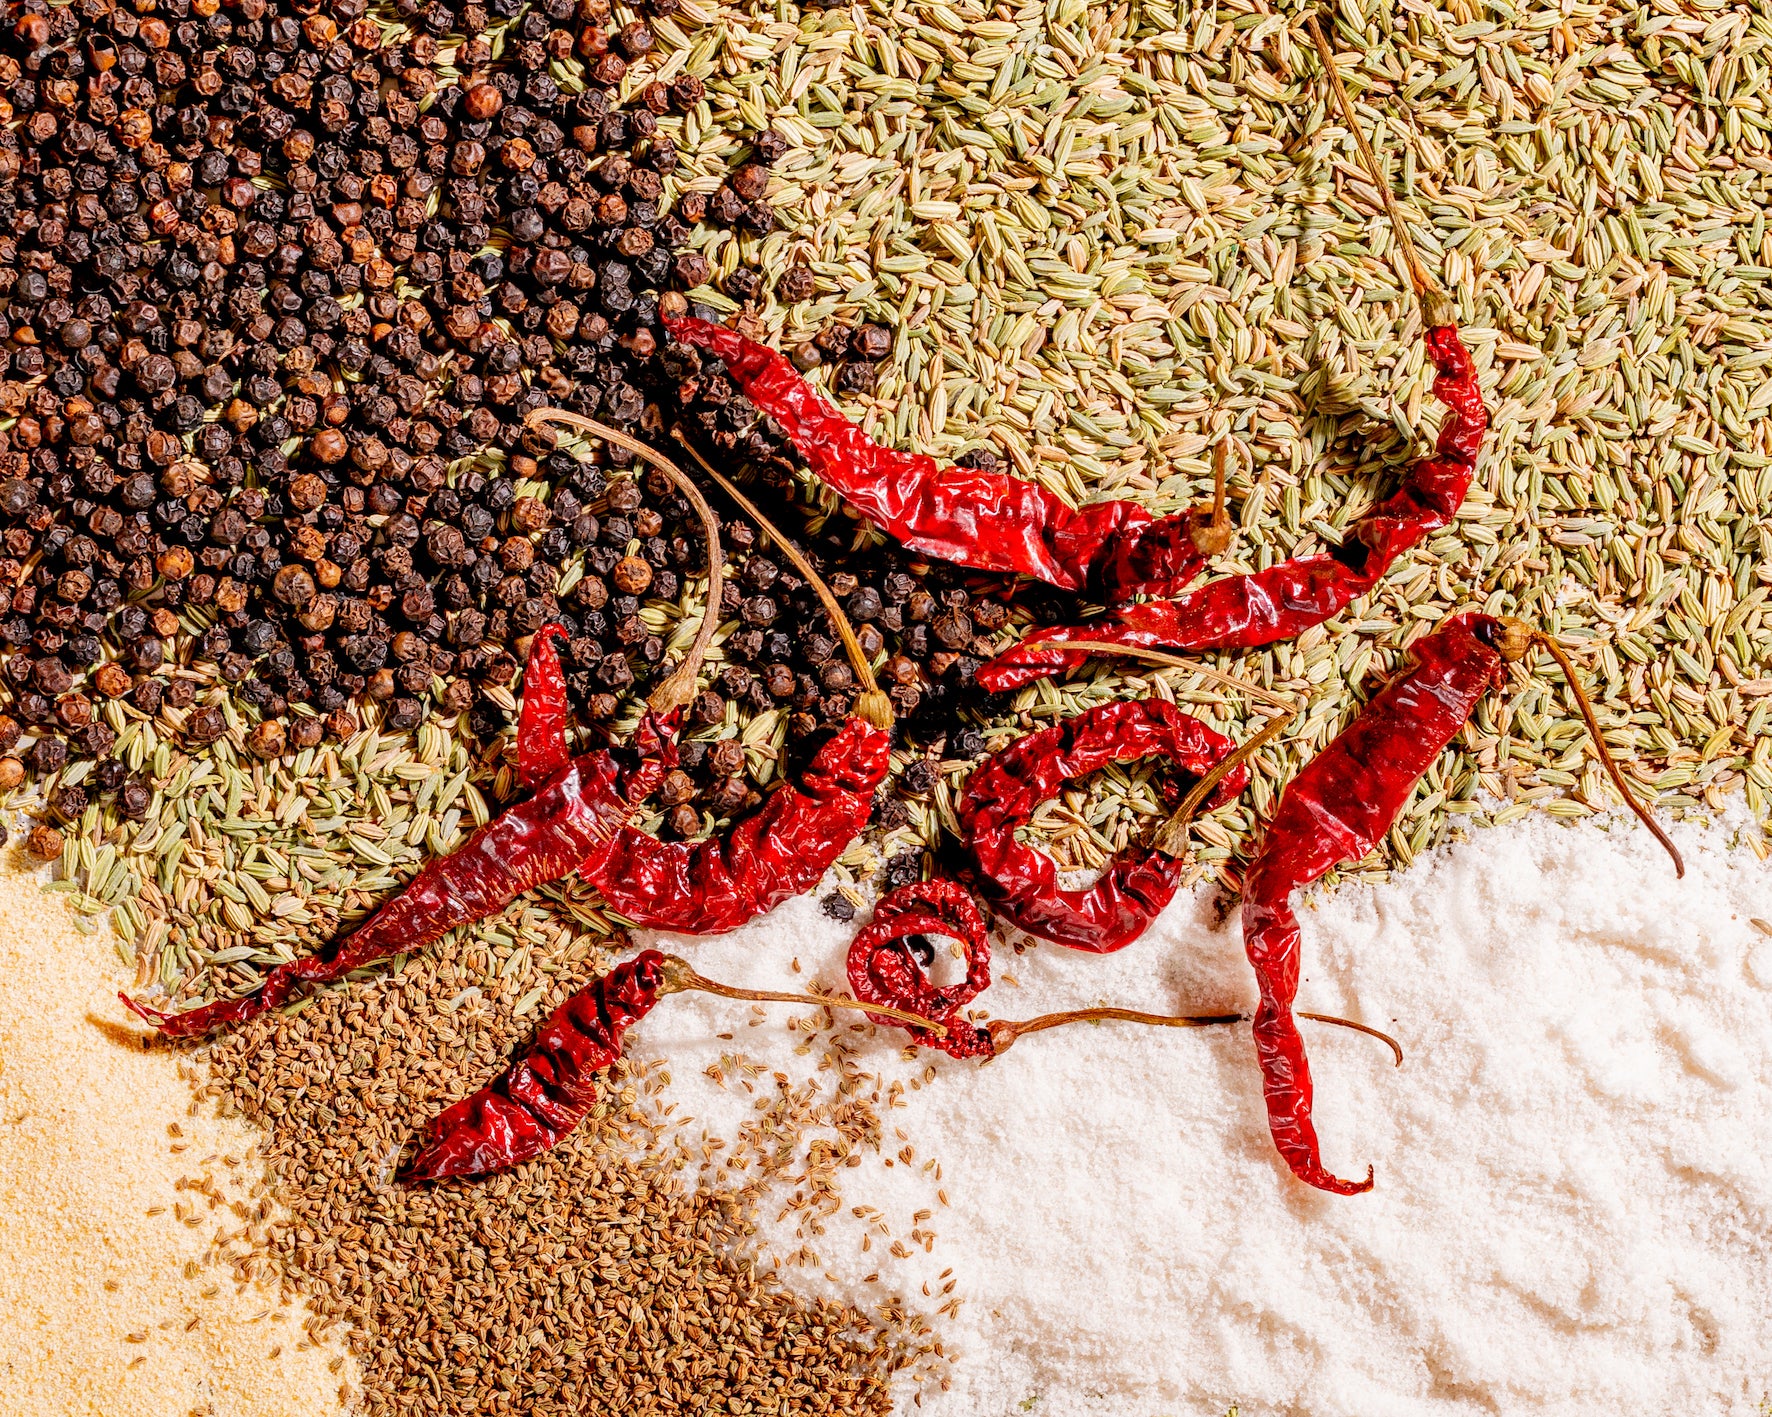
(1337, 809)
(1262, 607)
(547, 1092)
(1021, 883)
(989, 521)
(711, 886)
(883, 970)
(572, 816)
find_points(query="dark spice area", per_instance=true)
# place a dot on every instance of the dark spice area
(278, 297)
(591, 1280)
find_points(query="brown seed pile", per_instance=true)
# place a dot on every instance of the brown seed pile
(589, 1280)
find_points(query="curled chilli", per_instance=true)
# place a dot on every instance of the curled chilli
(1240, 612)
(883, 970)
(714, 885)
(1021, 883)
(989, 521)
(544, 1094)
(1337, 809)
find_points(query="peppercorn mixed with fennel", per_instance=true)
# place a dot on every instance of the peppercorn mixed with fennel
(255, 327)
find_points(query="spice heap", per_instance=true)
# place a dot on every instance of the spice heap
(283, 287)
(594, 1266)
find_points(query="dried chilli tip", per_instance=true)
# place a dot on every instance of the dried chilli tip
(1288, 598)
(542, 1096)
(711, 886)
(884, 971)
(541, 729)
(679, 689)
(871, 704)
(573, 815)
(1021, 883)
(986, 520)
(1337, 809)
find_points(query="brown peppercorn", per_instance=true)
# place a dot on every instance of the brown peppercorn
(729, 796)
(293, 585)
(266, 740)
(726, 757)
(871, 342)
(678, 787)
(708, 708)
(205, 725)
(133, 800)
(74, 710)
(750, 181)
(307, 492)
(175, 563)
(306, 732)
(954, 628)
(12, 773)
(797, 283)
(632, 575)
(483, 102)
(44, 842)
(602, 705)
(111, 680)
(684, 820)
(530, 514)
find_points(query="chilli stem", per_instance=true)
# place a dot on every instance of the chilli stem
(1435, 305)
(679, 688)
(1003, 1032)
(1395, 1046)
(1173, 661)
(1213, 534)
(1171, 837)
(871, 704)
(680, 976)
(1605, 754)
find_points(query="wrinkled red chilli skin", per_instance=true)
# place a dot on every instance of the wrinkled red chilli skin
(538, 840)
(882, 970)
(989, 521)
(541, 730)
(1240, 612)
(547, 1092)
(709, 887)
(1337, 809)
(1020, 883)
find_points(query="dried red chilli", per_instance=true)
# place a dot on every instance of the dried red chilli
(1021, 883)
(710, 886)
(1286, 599)
(547, 1092)
(883, 969)
(989, 521)
(572, 816)
(531, 1106)
(1337, 809)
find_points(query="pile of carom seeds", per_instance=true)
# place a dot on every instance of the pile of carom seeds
(1084, 242)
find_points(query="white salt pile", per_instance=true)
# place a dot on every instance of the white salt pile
(1574, 1204)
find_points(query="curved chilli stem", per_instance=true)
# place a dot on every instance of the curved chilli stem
(871, 704)
(1395, 1046)
(1436, 307)
(680, 976)
(679, 688)
(1605, 754)
(1004, 1033)
(1171, 837)
(1212, 535)
(1172, 661)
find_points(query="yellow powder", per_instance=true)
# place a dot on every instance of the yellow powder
(85, 1155)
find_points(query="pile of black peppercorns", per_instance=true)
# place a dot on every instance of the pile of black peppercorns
(271, 282)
